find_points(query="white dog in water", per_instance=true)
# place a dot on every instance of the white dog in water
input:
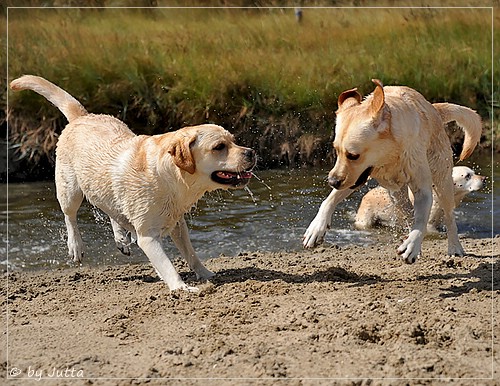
(378, 208)
(397, 137)
(145, 184)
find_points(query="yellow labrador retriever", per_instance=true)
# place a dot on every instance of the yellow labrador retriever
(145, 184)
(397, 137)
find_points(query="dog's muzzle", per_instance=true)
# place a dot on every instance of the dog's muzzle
(231, 178)
(336, 183)
(237, 179)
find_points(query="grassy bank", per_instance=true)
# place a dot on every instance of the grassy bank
(272, 81)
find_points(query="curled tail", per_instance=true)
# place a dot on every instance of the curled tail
(467, 119)
(68, 105)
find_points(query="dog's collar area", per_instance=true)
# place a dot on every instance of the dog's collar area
(232, 178)
(362, 178)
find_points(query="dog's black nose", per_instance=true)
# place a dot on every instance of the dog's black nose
(249, 154)
(334, 182)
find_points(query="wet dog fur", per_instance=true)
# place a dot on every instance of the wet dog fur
(145, 184)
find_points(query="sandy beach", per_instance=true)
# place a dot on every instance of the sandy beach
(354, 315)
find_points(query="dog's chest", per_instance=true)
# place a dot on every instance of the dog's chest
(392, 180)
(166, 211)
(169, 215)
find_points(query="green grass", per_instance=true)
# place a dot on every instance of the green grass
(244, 68)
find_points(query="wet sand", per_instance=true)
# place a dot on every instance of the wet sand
(353, 315)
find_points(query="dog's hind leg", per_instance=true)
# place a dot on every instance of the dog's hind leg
(75, 242)
(122, 237)
(180, 237)
(70, 198)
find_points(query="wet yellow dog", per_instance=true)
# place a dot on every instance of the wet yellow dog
(397, 137)
(145, 184)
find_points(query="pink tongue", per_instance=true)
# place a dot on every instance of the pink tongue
(246, 175)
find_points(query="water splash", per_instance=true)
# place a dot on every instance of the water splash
(261, 181)
(99, 216)
(250, 193)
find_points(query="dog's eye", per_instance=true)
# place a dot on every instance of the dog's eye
(468, 177)
(352, 157)
(220, 146)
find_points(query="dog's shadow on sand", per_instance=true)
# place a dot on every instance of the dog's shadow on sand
(331, 274)
(239, 275)
(486, 277)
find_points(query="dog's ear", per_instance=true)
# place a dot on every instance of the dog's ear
(180, 150)
(380, 112)
(349, 98)
(378, 100)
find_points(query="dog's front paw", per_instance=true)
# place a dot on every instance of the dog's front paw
(185, 287)
(410, 249)
(315, 233)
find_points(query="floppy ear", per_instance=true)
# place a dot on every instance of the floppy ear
(180, 150)
(378, 100)
(349, 98)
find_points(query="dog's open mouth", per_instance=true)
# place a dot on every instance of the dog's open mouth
(362, 178)
(232, 178)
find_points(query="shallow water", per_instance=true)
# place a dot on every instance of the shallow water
(271, 217)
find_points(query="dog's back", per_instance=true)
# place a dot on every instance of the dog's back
(408, 104)
(90, 148)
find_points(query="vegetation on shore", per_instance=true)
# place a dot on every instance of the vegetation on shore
(260, 73)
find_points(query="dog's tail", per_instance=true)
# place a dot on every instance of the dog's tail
(68, 105)
(467, 119)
